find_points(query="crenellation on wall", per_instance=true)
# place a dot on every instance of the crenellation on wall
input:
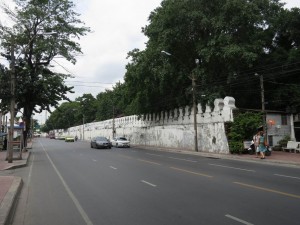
(173, 128)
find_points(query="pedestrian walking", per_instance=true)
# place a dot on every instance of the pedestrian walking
(5, 144)
(256, 143)
(262, 145)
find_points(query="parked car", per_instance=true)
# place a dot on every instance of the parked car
(120, 142)
(69, 139)
(60, 138)
(100, 142)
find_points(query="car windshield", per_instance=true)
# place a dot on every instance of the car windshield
(101, 139)
(122, 139)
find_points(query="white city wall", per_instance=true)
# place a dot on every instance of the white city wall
(174, 129)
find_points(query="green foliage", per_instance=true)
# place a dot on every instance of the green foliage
(283, 142)
(236, 147)
(38, 88)
(243, 128)
(233, 40)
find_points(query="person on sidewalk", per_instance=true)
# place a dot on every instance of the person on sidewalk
(256, 143)
(5, 144)
(262, 145)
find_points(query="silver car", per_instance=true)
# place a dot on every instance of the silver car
(100, 142)
(120, 142)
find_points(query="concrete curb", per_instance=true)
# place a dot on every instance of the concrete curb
(10, 200)
(19, 165)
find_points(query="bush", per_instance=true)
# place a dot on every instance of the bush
(236, 147)
(243, 128)
(283, 142)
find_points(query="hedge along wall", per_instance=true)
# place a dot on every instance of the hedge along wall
(173, 129)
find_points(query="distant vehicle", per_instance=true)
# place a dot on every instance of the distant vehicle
(35, 134)
(60, 138)
(52, 136)
(120, 142)
(100, 142)
(69, 139)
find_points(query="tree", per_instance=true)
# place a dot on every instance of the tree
(233, 40)
(39, 88)
(87, 108)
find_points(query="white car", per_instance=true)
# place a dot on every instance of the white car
(120, 142)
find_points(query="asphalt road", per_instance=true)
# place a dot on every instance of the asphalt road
(70, 183)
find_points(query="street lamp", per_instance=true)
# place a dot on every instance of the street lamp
(262, 91)
(193, 78)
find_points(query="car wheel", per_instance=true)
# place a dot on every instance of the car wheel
(117, 145)
(91, 145)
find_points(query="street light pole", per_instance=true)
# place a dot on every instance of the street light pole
(262, 90)
(195, 114)
(82, 127)
(193, 78)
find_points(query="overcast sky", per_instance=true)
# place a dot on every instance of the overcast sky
(116, 26)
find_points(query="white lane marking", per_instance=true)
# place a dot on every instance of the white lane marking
(154, 154)
(238, 220)
(114, 168)
(70, 193)
(30, 172)
(153, 185)
(95, 160)
(298, 178)
(229, 167)
(187, 160)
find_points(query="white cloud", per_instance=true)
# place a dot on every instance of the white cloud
(116, 26)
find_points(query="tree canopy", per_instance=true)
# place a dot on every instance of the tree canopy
(232, 40)
(41, 31)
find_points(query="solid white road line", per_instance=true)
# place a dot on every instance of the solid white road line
(70, 193)
(145, 182)
(298, 178)
(229, 167)
(238, 220)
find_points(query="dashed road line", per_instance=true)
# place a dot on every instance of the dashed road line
(148, 183)
(238, 220)
(267, 189)
(154, 154)
(298, 178)
(114, 168)
(146, 161)
(229, 167)
(94, 160)
(191, 172)
(187, 160)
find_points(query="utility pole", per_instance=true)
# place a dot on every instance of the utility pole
(193, 78)
(12, 105)
(113, 123)
(263, 109)
(195, 113)
(82, 127)
(197, 61)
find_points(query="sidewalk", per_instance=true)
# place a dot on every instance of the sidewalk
(10, 186)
